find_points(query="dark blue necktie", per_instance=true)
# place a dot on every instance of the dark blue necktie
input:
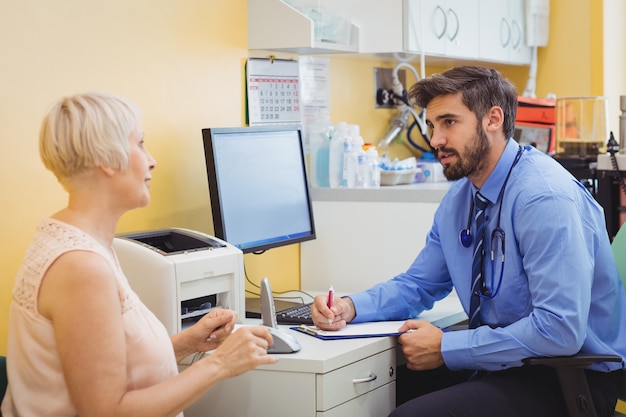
(480, 204)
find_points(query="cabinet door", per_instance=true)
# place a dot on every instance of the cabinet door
(462, 29)
(450, 28)
(259, 392)
(519, 53)
(502, 32)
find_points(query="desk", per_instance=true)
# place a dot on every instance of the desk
(320, 379)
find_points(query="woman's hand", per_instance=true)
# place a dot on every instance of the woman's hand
(243, 350)
(212, 329)
(207, 334)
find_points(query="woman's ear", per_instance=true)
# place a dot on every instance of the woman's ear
(107, 170)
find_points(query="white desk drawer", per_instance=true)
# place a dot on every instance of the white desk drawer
(356, 379)
(377, 403)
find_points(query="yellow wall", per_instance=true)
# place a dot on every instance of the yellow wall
(183, 63)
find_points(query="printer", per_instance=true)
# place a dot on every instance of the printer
(181, 274)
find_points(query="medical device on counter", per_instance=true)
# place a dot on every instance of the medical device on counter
(181, 274)
(400, 121)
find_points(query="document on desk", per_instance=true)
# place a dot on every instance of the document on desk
(354, 330)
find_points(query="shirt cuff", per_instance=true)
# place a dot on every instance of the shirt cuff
(455, 350)
(363, 313)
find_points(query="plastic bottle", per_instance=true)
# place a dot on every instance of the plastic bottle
(373, 168)
(322, 133)
(357, 149)
(348, 150)
(335, 157)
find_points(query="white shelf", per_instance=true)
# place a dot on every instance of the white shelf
(275, 25)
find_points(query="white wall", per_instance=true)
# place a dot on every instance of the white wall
(614, 59)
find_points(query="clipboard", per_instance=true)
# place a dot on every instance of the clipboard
(354, 330)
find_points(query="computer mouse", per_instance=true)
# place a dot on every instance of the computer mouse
(284, 342)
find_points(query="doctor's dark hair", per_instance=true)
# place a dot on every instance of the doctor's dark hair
(481, 88)
(84, 131)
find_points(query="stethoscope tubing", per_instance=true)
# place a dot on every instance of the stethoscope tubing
(497, 234)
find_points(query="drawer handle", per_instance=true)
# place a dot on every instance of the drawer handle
(371, 377)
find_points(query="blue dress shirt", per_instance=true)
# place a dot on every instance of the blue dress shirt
(561, 292)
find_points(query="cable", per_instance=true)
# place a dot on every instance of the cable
(400, 122)
(416, 118)
(414, 144)
(278, 293)
(531, 84)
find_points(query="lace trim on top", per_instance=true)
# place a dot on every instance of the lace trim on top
(52, 239)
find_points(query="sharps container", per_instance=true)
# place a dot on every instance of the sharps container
(581, 126)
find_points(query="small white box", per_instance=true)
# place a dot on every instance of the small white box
(433, 171)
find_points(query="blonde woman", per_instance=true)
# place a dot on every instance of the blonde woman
(80, 340)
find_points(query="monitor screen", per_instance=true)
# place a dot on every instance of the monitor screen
(258, 186)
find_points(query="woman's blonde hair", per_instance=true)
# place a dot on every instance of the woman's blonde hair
(85, 131)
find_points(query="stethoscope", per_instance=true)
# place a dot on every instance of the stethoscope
(497, 235)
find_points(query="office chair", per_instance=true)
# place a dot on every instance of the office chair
(3, 378)
(570, 370)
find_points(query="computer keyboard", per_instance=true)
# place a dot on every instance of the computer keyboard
(299, 314)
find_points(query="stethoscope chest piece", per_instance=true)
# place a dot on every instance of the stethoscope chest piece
(465, 237)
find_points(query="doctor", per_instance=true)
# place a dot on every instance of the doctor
(525, 247)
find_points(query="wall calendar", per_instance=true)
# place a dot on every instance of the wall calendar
(273, 91)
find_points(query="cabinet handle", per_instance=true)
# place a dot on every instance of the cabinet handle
(443, 31)
(516, 35)
(371, 377)
(452, 13)
(505, 32)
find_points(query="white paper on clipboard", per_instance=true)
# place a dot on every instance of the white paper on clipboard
(273, 89)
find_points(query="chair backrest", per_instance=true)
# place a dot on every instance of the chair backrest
(619, 251)
(3, 378)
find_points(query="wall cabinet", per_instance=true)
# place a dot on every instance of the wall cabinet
(484, 30)
(503, 32)
(446, 28)
(276, 25)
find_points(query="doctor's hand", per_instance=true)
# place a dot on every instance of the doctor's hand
(421, 344)
(334, 318)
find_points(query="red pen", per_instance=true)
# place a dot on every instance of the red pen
(330, 302)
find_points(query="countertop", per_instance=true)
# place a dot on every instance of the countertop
(424, 192)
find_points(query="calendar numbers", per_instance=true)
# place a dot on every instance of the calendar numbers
(277, 99)
(274, 98)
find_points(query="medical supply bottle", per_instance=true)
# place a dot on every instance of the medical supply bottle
(335, 157)
(352, 162)
(348, 149)
(373, 163)
(321, 135)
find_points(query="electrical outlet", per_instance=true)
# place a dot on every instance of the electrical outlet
(383, 84)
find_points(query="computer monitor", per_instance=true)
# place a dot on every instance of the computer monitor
(258, 186)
